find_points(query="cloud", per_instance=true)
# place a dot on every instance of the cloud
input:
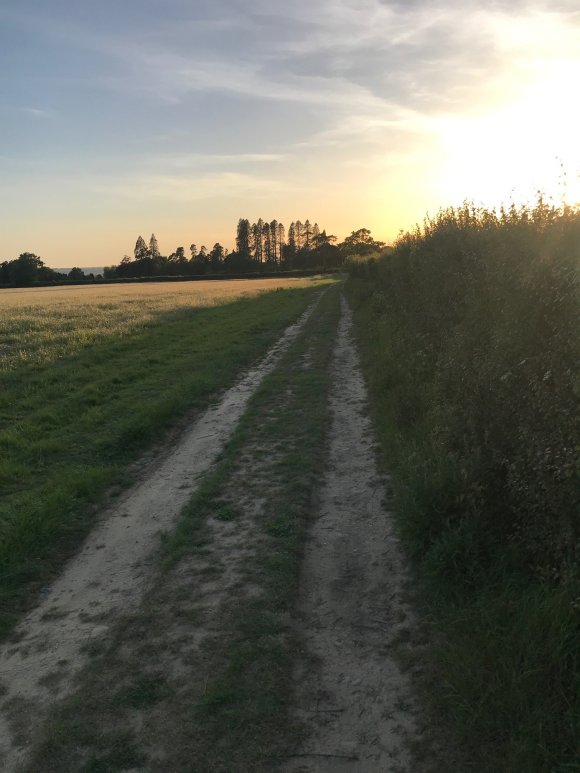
(37, 112)
(177, 188)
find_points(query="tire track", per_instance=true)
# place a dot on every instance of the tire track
(357, 705)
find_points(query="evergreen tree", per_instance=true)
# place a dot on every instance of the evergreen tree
(274, 240)
(243, 238)
(257, 242)
(292, 237)
(281, 237)
(307, 235)
(298, 235)
(267, 242)
(315, 234)
(216, 256)
(141, 250)
(153, 247)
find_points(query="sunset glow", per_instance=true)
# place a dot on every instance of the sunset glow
(179, 118)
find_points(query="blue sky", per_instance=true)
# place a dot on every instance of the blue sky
(139, 116)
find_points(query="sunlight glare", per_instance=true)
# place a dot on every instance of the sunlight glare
(523, 147)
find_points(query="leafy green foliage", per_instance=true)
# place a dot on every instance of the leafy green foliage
(469, 331)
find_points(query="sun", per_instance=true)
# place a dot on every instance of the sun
(528, 145)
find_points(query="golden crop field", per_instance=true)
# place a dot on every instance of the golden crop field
(201, 293)
(40, 324)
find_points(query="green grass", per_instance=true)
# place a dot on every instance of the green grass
(469, 338)
(75, 411)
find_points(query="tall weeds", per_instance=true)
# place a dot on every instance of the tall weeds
(469, 332)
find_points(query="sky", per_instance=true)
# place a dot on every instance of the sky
(121, 118)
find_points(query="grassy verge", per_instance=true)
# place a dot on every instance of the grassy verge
(468, 332)
(200, 679)
(72, 415)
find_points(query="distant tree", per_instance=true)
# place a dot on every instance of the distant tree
(216, 257)
(243, 238)
(315, 234)
(298, 235)
(153, 247)
(281, 235)
(128, 267)
(267, 242)
(141, 250)
(274, 240)
(176, 263)
(261, 225)
(258, 240)
(76, 273)
(325, 254)
(360, 243)
(307, 243)
(26, 269)
(292, 237)
(322, 238)
(193, 251)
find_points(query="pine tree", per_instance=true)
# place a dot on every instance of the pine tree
(257, 243)
(292, 237)
(216, 256)
(281, 238)
(274, 240)
(243, 238)
(315, 235)
(298, 234)
(141, 250)
(153, 247)
(307, 235)
(267, 242)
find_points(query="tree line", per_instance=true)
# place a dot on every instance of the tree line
(29, 269)
(260, 247)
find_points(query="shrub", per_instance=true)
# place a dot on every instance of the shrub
(469, 337)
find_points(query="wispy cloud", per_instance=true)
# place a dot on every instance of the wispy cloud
(177, 188)
(37, 112)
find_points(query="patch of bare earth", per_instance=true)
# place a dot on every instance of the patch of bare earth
(109, 577)
(354, 698)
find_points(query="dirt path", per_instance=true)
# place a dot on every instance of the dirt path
(111, 572)
(130, 666)
(358, 706)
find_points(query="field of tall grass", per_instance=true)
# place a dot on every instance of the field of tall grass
(92, 376)
(469, 330)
